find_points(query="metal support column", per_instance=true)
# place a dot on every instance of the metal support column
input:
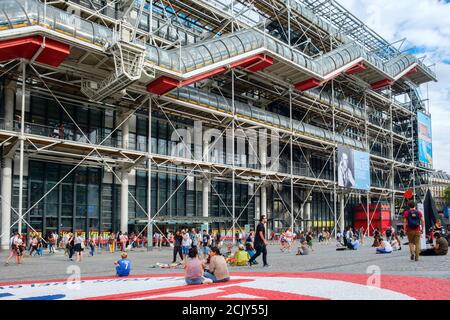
(149, 177)
(291, 157)
(124, 178)
(9, 92)
(342, 212)
(22, 139)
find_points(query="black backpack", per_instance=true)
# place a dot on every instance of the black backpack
(413, 219)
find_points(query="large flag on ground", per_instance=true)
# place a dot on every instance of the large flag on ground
(430, 211)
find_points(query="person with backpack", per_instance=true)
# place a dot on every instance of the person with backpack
(414, 225)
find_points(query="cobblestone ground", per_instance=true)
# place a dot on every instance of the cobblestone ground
(324, 258)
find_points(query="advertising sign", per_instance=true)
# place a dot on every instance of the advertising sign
(353, 169)
(425, 139)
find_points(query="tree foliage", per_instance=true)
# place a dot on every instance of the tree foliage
(447, 196)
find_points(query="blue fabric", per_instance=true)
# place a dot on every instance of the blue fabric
(185, 250)
(383, 250)
(192, 281)
(124, 267)
(353, 245)
(209, 275)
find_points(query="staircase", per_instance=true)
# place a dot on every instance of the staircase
(128, 62)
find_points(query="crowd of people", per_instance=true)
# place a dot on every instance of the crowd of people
(206, 257)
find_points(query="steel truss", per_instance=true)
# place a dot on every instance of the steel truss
(379, 119)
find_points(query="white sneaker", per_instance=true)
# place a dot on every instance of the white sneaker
(207, 281)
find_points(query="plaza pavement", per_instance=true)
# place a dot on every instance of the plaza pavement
(324, 259)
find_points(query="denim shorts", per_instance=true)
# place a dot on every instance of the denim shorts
(192, 281)
(185, 249)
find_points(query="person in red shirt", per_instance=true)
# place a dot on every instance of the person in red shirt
(414, 225)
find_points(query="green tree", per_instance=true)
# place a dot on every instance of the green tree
(447, 196)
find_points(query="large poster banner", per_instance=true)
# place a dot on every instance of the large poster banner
(425, 139)
(353, 169)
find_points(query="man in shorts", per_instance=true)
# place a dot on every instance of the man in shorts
(205, 241)
(414, 225)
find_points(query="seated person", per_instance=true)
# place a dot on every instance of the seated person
(241, 257)
(218, 269)
(440, 249)
(251, 252)
(304, 249)
(229, 254)
(395, 243)
(123, 266)
(376, 241)
(384, 247)
(194, 269)
(353, 244)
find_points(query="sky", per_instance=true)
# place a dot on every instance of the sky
(426, 25)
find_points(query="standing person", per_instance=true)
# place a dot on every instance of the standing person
(361, 235)
(55, 240)
(414, 225)
(157, 240)
(51, 243)
(218, 239)
(289, 238)
(71, 245)
(205, 243)
(40, 246)
(112, 243)
(34, 245)
(123, 241)
(178, 239)
(91, 246)
(237, 238)
(194, 239)
(12, 248)
(19, 247)
(117, 243)
(186, 243)
(260, 242)
(309, 240)
(79, 247)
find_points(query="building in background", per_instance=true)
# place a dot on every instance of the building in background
(117, 115)
(440, 181)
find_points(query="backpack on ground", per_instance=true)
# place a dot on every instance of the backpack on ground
(413, 219)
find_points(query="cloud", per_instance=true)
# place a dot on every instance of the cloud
(426, 25)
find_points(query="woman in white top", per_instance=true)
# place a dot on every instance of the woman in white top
(79, 247)
(395, 242)
(384, 247)
(186, 243)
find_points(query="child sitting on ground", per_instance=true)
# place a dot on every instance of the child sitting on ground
(384, 247)
(241, 257)
(123, 266)
(251, 252)
(304, 249)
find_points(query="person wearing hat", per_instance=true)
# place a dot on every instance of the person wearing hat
(123, 266)
(241, 256)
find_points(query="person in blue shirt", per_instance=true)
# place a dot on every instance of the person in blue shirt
(123, 266)
(353, 244)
